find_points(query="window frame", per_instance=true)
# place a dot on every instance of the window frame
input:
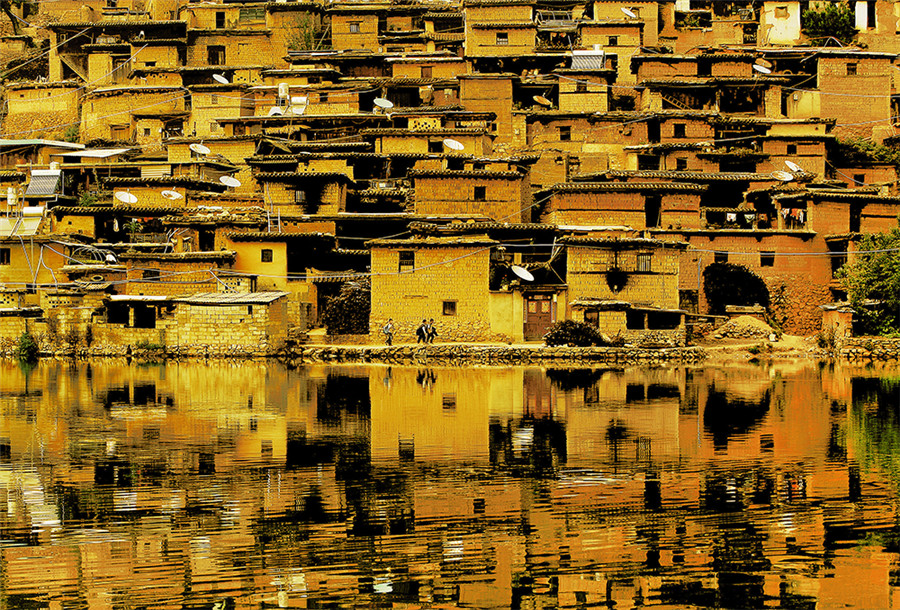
(448, 308)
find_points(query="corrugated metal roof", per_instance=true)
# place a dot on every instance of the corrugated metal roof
(232, 298)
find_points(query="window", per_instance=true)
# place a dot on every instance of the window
(592, 317)
(220, 20)
(449, 308)
(644, 262)
(720, 257)
(792, 149)
(407, 261)
(300, 197)
(252, 14)
(448, 402)
(681, 164)
(426, 71)
(249, 310)
(851, 69)
(581, 87)
(119, 132)
(213, 126)
(213, 99)
(502, 39)
(479, 193)
(859, 179)
(766, 259)
(613, 41)
(151, 274)
(215, 55)
(435, 146)
(781, 12)
(265, 255)
(354, 27)
(149, 64)
(5, 256)
(146, 132)
(678, 130)
(565, 133)
(323, 97)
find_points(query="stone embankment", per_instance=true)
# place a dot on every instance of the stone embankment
(487, 354)
(869, 348)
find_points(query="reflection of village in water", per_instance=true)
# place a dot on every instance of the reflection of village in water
(251, 485)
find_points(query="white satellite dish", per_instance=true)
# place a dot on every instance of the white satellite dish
(762, 69)
(200, 149)
(172, 195)
(383, 103)
(125, 197)
(543, 101)
(522, 272)
(220, 79)
(793, 166)
(230, 181)
(629, 13)
(276, 111)
(453, 144)
(762, 62)
(783, 176)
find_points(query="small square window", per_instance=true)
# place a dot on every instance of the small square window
(859, 179)
(781, 12)
(448, 402)
(479, 193)
(581, 87)
(407, 261)
(151, 274)
(323, 97)
(300, 197)
(613, 41)
(502, 39)
(720, 257)
(146, 132)
(449, 308)
(354, 27)
(792, 149)
(565, 133)
(5, 256)
(213, 99)
(678, 130)
(435, 146)
(766, 259)
(213, 126)
(851, 69)
(644, 260)
(426, 71)
(681, 164)
(265, 255)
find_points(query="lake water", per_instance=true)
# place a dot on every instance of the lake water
(250, 485)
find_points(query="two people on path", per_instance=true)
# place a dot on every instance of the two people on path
(426, 332)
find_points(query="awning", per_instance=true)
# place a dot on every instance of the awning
(96, 153)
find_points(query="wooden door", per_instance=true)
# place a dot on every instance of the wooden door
(538, 315)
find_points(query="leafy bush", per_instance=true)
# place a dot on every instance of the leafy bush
(872, 283)
(830, 21)
(348, 312)
(728, 284)
(852, 152)
(27, 349)
(575, 334)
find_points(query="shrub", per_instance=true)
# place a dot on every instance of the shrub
(830, 21)
(27, 349)
(575, 334)
(348, 312)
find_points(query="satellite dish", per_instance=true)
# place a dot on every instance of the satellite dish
(522, 272)
(297, 110)
(220, 79)
(383, 103)
(793, 166)
(783, 176)
(125, 197)
(172, 195)
(276, 111)
(764, 63)
(453, 144)
(629, 13)
(543, 101)
(200, 149)
(762, 69)
(230, 181)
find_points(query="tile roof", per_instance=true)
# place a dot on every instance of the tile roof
(618, 187)
(232, 298)
(267, 236)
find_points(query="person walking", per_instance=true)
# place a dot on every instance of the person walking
(388, 330)
(422, 332)
(430, 331)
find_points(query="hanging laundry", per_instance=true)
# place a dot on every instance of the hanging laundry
(785, 212)
(801, 216)
(731, 217)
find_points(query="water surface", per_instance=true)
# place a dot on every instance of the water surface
(249, 485)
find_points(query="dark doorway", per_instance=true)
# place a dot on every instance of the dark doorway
(538, 315)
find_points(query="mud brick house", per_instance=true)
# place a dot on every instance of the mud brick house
(50, 108)
(500, 194)
(640, 205)
(175, 273)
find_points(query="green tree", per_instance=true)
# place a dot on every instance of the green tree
(6, 6)
(27, 349)
(348, 312)
(875, 275)
(830, 21)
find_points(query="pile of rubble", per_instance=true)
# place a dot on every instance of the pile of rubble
(744, 327)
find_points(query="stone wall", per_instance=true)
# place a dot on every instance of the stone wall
(870, 348)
